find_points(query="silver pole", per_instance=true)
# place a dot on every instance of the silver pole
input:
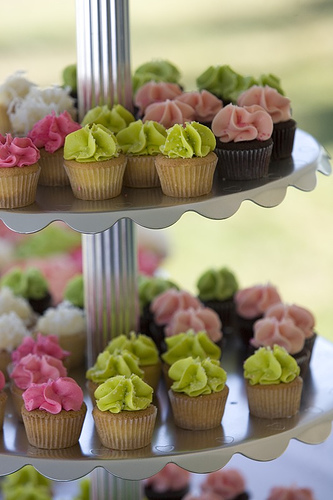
(109, 258)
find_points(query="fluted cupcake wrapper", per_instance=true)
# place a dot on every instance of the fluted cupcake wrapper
(18, 186)
(48, 431)
(244, 164)
(52, 172)
(186, 177)
(276, 400)
(127, 430)
(283, 139)
(200, 412)
(141, 172)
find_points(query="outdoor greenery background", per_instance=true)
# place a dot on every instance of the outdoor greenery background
(290, 245)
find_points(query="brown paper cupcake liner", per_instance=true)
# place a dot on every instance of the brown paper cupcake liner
(127, 430)
(186, 178)
(244, 164)
(52, 172)
(188, 411)
(141, 172)
(275, 401)
(96, 180)
(18, 186)
(48, 431)
(3, 399)
(283, 139)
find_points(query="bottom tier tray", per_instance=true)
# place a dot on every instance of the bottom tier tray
(199, 451)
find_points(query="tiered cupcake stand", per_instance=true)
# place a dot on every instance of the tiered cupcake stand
(109, 252)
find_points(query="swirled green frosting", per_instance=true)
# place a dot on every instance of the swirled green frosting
(140, 345)
(114, 119)
(224, 82)
(157, 71)
(29, 283)
(270, 80)
(270, 366)
(140, 138)
(217, 284)
(196, 377)
(91, 143)
(183, 345)
(151, 286)
(194, 139)
(28, 484)
(109, 365)
(74, 291)
(121, 393)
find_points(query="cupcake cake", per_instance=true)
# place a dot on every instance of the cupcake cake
(228, 484)
(273, 384)
(53, 413)
(12, 333)
(152, 91)
(48, 135)
(187, 164)
(3, 398)
(31, 284)
(19, 171)
(170, 483)
(197, 384)
(243, 142)
(290, 493)
(68, 323)
(124, 415)
(278, 107)
(93, 163)
(114, 119)
(141, 142)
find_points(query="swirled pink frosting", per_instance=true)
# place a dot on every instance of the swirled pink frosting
(166, 304)
(44, 344)
(152, 92)
(202, 319)
(235, 123)
(2, 380)
(226, 483)
(54, 395)
(253, 301)
(17, 151)
(270, 331)
(205, 104)
(168, 113)
(276, 105)
(291, 493)
(50, 132)
(302, 318)
(170, 478)
(36, 369)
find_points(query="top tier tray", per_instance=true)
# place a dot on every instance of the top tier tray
(151, 209)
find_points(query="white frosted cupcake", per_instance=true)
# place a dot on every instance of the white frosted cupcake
(12, 332)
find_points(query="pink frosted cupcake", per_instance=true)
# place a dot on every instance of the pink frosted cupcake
(205, 104)
(43, 344)
(19, 171)
(169, 112)
(228, 484)
(171, 483)
(48, 134)
(3, 399)
(53, 413)
(290, 493)
(200, 319)
(278, 107)
(244, 141)
(152, 92)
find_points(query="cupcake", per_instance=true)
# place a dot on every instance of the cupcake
(228, 484)
(114, 119)
(12, 333)
(124, 415)
(146, 352)
(33, 369)
(3, 398)
(74, 291)
(158, 70)
(68, 323)
(152, 91)
(205, 104)
(43, 344)
(9, 302)
(93, 163)
(197, 384)
(244, 142)
(290, 493)
(30, 284)
(140, 142)
(19, 171)
(278, 107)
(187, 164)
(273, 384)
(170, 483)
(169, 113)
(53, 413)
(197, 320)
(216, 290)
(109, 365)
(48, 135)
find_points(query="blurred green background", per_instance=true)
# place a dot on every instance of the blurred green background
(290, 245)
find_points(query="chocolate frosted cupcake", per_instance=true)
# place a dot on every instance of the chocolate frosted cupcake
(244, 142)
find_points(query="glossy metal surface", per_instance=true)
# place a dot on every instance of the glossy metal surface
(255, 438)
(150, 208)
